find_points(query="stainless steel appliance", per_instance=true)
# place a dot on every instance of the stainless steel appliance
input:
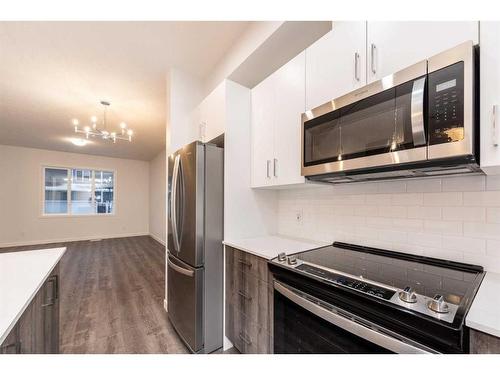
(418, 122)
(353, 299)
(195, 256)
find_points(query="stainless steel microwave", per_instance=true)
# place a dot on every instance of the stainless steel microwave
(420, 121)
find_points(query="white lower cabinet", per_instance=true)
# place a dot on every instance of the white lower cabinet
(490, 96)
(392, 46)
(277, 105)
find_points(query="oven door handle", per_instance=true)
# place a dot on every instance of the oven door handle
(417, 112)
(380, 336)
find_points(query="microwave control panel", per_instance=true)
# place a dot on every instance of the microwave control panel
(446, 104)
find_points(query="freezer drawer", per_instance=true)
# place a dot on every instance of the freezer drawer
(185, 301)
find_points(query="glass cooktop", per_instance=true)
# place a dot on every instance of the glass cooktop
(448, 279)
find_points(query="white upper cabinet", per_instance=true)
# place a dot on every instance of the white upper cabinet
(490, 97)
(289, 106)
(210, 114)
(392, 46)
(277, 105)
(262, 132)
(336, 63)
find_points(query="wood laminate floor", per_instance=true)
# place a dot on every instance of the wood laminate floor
(111, 297)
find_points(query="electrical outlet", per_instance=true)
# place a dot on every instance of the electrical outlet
(298, 216)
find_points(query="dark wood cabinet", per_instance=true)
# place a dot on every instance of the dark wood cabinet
(483, 343)
(37, 330)
(248, 291)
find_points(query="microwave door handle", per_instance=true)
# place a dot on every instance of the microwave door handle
(417, 112)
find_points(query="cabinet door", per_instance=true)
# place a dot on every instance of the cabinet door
(263, 106)
(11, 344)
(392, 46)
(490, 96)
(289, 106)
(212, 113)
(336, 63)
(51, 314)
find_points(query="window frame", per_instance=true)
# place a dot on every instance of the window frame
(69, 169)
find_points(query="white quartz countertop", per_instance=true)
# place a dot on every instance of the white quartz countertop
(484, 314)
(22, 273)
(270, 246)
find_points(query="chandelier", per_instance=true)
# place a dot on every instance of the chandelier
(124, 134)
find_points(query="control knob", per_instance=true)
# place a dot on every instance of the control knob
(281, 257)
(292, 260)
(407, 295)
(437, 304)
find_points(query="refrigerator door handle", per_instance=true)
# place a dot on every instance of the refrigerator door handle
(175, 179)
(180, 269)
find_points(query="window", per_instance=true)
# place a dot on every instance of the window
(78, 191)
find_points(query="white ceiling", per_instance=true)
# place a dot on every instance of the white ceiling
(52, 72)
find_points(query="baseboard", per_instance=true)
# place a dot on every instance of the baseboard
(157, 239)
(71, 239)
(165, 305)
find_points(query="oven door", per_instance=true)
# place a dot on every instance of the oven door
(377, 125)
(305, 324)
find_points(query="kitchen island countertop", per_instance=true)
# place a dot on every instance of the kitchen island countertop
(22, 273)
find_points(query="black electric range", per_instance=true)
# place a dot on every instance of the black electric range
(347, 298)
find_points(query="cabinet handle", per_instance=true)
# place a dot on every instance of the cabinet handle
(53, 295)
(268, 166)
(495, 124)
(244, 295)
(373, 54)
(356, 66)
(242, 262)
(275, 167)
(244, 339)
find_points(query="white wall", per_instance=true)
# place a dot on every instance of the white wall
(454, 218)
(157, 197)
(21, 198)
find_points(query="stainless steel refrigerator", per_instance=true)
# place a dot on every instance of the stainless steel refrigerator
(195, 253)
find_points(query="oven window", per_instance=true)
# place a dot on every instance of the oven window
(296, 331)
(376, 125)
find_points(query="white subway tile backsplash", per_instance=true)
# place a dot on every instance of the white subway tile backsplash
(493, 215)
(409, 199)
(464, 213)
(425, 239)
(424, 185)
(493, 182)
(393, 211)
(443, 199)
(465, 244)
(410, 225)
(482, 230)
(493, 248)
(464, 183)
(392, 187)
(443, 227)
(366, 211)
(419, 212)
(455, 218)
(483, 198)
